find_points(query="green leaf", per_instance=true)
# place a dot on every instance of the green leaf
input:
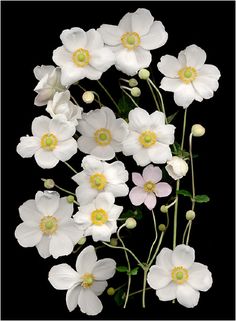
(122, 268)
(119, 297)
(171, 117)
(138, 215)
(201, 199)
(184, 193)
(127, 214)
(125, 104)
(134, 271)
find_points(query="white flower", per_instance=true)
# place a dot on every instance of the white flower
(61, 105)
(99, 217)
(49, 83)
(47, 224)
(149, 137)
(51, 141)
(136, 34)
(82, 55)
(188, 76)
(102, 134)
(86, 283)
(99, 176)
(176, 275)
(176, 167)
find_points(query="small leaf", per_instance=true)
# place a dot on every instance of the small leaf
(125, 104)
(134, 271)
(119, 297)
(138, 215)
(122, 268)
(171, 117)
(127, 214)
(184, 193)
(201, 199)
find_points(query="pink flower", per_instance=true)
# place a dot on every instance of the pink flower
(148, 187)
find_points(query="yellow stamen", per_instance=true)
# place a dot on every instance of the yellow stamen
(98, 181)
(49, 141)
(99, 217)
(81, 57)
(88, 279)
(149, 187)
(179, 275)
(48, 225)
(130, 40)
(187, 74)
(103, 136)
(147, 138)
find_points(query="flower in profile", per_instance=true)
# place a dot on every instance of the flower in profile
(176, 167)
(177, 276)
(136, 34)
(83, 55)
(47, 224)
(99, 217)
(149, 137)
(98, 177)
(61, 105)
(86, 283)
(102, 134)
(49, 83)
(51, 141)
(188, 76)
(148, 187)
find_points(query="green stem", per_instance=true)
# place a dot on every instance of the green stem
(176, 214)
(73, 170)
(192, 170)
(189, 230)
(184, 127)
(144, 287)
(167, 220)
(98, 98)
(133, 101)
(60, 188)
(185, 231)
(154, 242)
(157, 249)
(76, 203)
(74, 100)
(139, 291)
(109, 95)
(120, 287)
(154, 96)
(157, 90)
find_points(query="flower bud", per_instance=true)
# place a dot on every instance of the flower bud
(113, 241)
(176, 167)
(198, 130)
(162, 227)
(88, 97)
(111, 291)
(190, 215)
(130, 223)
(82, 240)
(70, 199)
(49, 183)
(144, 74)
(133, 82)
(164, 209)
(135, 92)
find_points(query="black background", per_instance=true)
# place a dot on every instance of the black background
(30, 32)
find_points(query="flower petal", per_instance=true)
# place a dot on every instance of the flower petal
(61, 56)
(137, 179)
(115, 212)
(96, 118)
(125, 22)
(86, 144)
(195, 56)
(103, 152)
(158, 278)
(100, 233)
(142, 157)
(184, 96)
(89, 303)
(150, 201)
(73, 38)
(110, 34)
(170, 84)
(43, 247)
(85, 129)
(157, 119)
(200, 278)
(60, 245)
(187, 296)
(159, 153)
(104, 269)
(29, 212)
(61, 128)
(165, 134)
(204, 87)
(169, 66)
(92, 73)
(27, 235)
(71, 73)
(94, 40)
(163, 189)
(105, 201)
(72, 230)
(45, 158)
(209, 71)
(85, 194)
(28, 146)
(183, 255)
(102, 59)
(98, 287)
(142, 21)
(119, 130)
(63, 277)
(47, 202)
(40, 126)
(115, 172)
(126, 61)
(117, 190)
(92, 165)
(143, 57)
(65, 149)
(152, 173)
(72, 296)
(167, 293)
(164, 259)
(155, 38)
(139, 119)
(64, 210)
(131, 144)
(86, 260)
(137, 195)
(41, 71)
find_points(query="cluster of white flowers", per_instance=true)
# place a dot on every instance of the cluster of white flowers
(49, 222)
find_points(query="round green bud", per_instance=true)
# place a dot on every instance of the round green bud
(88, 97)
(111, 291)
(49, 183)
(113, 241)
(144, 74)
(130, 223)
(162, 227)
(135, 92)
(198, 130)
(164, 209)
(70, 199)
(190, 215)
(133, 82)
(82, 240)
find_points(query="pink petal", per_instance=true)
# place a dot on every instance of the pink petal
(137, 195)
(163, 189)
(137, 179)
(150, 201)
(152, 173)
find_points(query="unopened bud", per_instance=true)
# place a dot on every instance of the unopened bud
(190, 215)
(162, 227)
(198, 130)
(144, 74)
(164, 209)
(70, 199)
(82, 240)
(88, 97)
(49, 183)
(133, 82)
(113, 242)
(135, 92)
(111, 291)
(130, 223)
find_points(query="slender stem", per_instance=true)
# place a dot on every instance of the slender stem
(154, 96)
(171, 204)
(176, 214)
(75, 251)
(133, 101)
(144, 287)
(139, 291)
(189, 229)
(192, 170)
(167, 220)
(74, 100)
(120, 287)
(157, 249)
(185, 231)
(99, 101)
(125, 80)
(154, 242)
(60, 188)
(184, 127)
(73, 170)
(109, 95)
(157, 90)
(76, 203)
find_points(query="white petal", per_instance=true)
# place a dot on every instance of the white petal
(117, 190)
(157, 119)
(165, 134)
(72, 230)
(155, 38)
(86, 144)
(105, 201)
(89, 303)
(73, 38)
(80, 178)
(137, 179)
(115, 212)
(164, 259)
(98, 287)
(126, 61)
(103, 152)
(150, 201)
(29, 212)
(125, 22)
(131, 144)
(137, 195)
(115, 172)
(142, 21)
(142, 157)
(60, 245)
(110, 34)
(195, 56)
(143, 57)
(104, 269)
(183, 255)
(41, 71)
(209, 71)
(200, 278)
(43, 247)
(47, 202)
(110, 118)
(204, 87)
(101, 233)
(65, 149)
(45, 159)
(40, 126)
(184, 96)
(62, 276)
(72, 296)
(158, 278)
(182, 58)
(86, 260)
(92, 73)
(167, 293)
(71, 73)
(61, 128)
(94, 40)
(85, 129)
(61, 56)
(28, 146)
(120, 130)
(27, 235)
(96, 118)
(170, 84)
(169, 66)
(92, 165)
(163, 189)
(64, 210)
(187, 296)
(102, 59)
(159, 153)
(85, 194)
(152, 173)
(139, 119)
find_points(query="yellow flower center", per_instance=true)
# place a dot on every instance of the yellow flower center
(187, 74)
(88, 279)
(98, 181)
(130, 40)
(103, 136)
(49, 141)
(99, 217)
(179, 275)
(147, 138)
(48, 225)
(149, 187)
(81, 57)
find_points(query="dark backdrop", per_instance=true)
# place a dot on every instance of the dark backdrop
(30, 32)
